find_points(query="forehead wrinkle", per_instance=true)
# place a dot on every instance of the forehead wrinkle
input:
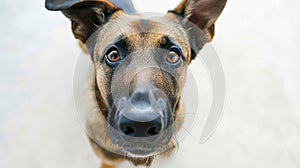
(143, 25)
(145, 40)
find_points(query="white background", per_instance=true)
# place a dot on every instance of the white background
(257, 42)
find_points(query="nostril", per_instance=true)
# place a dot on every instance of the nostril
(127, 130)
(153, 131)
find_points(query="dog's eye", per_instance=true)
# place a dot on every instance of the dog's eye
(112, 55)
(173, 56)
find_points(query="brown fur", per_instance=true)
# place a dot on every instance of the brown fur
(111, 23)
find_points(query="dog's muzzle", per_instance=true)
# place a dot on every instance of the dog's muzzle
(141, 115)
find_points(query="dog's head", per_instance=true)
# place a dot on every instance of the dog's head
(140, 65)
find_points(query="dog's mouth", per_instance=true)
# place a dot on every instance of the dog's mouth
(142, 125)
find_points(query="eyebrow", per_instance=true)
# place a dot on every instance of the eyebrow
(167, 42)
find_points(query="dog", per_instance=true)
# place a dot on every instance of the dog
(140, 67)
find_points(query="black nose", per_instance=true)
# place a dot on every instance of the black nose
(142, 116)
(134, 128)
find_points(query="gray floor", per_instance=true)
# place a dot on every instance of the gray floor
(257, 42)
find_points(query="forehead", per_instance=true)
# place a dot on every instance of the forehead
(143, 31)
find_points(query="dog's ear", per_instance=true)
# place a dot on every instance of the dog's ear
(203, 14)
(86, 15)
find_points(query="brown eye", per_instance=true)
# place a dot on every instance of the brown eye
(113, 56)
(173, 57)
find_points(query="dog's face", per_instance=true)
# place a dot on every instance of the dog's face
(140, 70)
(140, 66)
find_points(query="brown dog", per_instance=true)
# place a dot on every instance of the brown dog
(140, 67)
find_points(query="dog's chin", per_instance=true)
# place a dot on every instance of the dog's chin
(143, 161)
(145, 156)
(139, 155)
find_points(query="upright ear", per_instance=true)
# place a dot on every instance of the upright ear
(203, 14)
(86, 15)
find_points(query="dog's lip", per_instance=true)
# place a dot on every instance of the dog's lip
(133, 154)
(140, 151)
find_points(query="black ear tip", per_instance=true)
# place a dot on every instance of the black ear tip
(51, 5)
